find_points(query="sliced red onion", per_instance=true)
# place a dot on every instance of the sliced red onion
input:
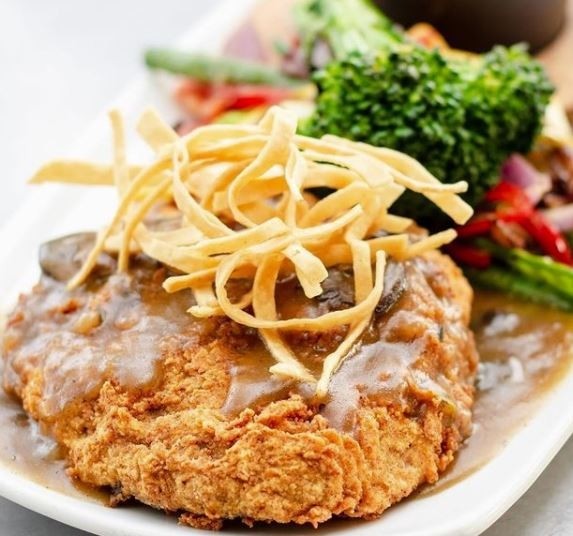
(245, 43)
(561, 217)
(295, 64)
(321, 54)
(518, 171)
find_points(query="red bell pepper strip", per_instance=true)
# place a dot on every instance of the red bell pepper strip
(206, 101)
(476, 227)
(511, 195)
(469, 255)
(519, 209)
(241, 97)
(549, 239)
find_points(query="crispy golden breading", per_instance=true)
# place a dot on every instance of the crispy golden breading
(169, 445)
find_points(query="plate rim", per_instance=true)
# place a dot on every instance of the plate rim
(87, 515)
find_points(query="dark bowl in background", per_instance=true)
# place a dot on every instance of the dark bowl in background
(479, 24)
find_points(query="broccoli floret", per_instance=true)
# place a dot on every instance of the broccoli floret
(460, 118)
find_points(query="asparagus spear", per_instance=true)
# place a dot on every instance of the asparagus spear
(554, 274)
(506, 280)
(536, 268)
(532, 277)
(209, 68)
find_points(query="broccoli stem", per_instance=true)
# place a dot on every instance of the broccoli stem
(347, 26)
(211, 69)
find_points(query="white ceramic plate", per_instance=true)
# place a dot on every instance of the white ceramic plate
(466, 508)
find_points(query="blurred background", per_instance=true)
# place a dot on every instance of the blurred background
(64, 61)
(479, 25)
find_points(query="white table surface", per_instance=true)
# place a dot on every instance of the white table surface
(62, 61)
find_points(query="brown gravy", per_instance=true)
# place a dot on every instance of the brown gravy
(524, 351)
(81, 337)
(383, 366)
(26, 451)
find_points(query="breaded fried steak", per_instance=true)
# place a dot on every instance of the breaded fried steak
(231, 346)
(182, 414)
